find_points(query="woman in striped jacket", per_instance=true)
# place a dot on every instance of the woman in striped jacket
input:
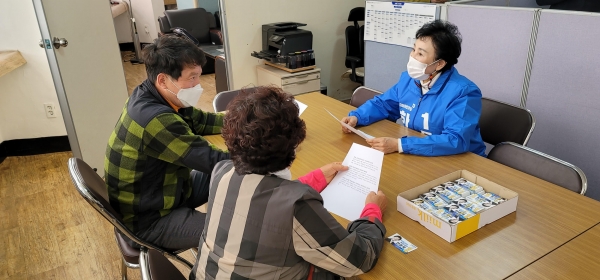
(262, 225)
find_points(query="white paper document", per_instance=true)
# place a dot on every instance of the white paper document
(345, 196)
(301, 107)
(358, 132)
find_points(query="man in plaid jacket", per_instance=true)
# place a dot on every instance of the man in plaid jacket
(157, 163)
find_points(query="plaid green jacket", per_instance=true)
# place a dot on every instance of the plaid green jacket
(151, 153)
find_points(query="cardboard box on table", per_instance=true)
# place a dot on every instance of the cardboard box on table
(453, 232)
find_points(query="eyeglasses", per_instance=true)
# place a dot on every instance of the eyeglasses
(182, 33)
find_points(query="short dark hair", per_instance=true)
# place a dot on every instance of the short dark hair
(170, 54)
(446, 40)
(262, 130)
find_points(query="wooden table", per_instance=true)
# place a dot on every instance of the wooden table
(547, 215)
(578, 259)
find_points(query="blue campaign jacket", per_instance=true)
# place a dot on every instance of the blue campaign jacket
(448, 114)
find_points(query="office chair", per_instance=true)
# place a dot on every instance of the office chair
(218, 19)
(221, 74)
(361, 95)
(93, 189)
(155, 266)
(540, 165)
(197, 21)
(503, 122)
(201, 24)
(222, 99)
(355, 45)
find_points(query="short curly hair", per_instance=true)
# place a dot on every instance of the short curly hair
(262, 130)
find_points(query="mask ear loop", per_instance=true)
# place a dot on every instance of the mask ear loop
(170, 80)
(434, 71)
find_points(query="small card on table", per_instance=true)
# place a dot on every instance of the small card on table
(401, 243)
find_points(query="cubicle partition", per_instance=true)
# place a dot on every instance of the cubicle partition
(383, 64)
(564, 94)
(545, 58)
(506, 3)
(495, 49)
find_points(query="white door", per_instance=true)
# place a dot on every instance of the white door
(87, 71)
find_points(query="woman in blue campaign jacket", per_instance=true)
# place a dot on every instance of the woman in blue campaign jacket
(430, 97)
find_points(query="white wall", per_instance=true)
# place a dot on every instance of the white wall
(326, 19)
(123, 28)
(24, 90)
(210, 6)
(146, 13)
(185, 4)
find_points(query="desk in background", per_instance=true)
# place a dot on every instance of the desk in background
(293, 83)
(213, 50)
(547, 215)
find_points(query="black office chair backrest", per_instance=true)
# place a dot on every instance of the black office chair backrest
(93, 189)
(361, 95)
(361, 42)
(196, 21)
(503, 122)
(540, 165)
(218, 19)
(356, 14)
(353, 46)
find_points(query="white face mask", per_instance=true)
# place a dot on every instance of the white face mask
(283, 174)
(188, 96)
(416, 69)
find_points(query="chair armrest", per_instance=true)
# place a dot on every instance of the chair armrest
(353, 64)
(216, 37)
(353, 59)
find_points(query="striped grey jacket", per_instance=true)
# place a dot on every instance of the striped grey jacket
(265, 227)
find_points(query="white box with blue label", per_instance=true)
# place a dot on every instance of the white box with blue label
(453, 232)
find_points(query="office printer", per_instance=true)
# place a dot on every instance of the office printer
(283, 38)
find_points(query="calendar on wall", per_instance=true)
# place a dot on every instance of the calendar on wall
(396, 23)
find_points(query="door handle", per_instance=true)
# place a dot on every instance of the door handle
(60, 42)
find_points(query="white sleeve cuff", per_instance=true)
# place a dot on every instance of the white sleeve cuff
(400, 145)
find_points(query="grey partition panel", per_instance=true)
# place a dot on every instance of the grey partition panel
(489, 3)
(524, 4)
(564, 94)
(383, 64)
(494, 49)
(506, 3)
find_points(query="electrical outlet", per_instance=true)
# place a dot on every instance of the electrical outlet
(50, 110)
(146, 29)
